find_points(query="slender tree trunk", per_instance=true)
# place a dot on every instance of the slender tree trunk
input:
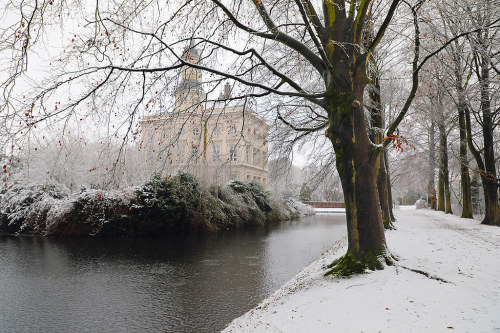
(444, 195)
(389, 188)
(446, 176)
(383, 193)
(431, 196)
(464, 164)
(462, 108)
(377, 124)
(441, 191)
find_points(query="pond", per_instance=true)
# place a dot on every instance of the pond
(188, 283)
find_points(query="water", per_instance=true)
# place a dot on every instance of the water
(195, 283)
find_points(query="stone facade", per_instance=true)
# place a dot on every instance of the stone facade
(216, 141)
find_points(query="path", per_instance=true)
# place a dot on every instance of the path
(460, 251)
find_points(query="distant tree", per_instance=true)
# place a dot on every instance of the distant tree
(456, 62)
(431, 190)
(483, 45)
(305, 193)
(444, 193)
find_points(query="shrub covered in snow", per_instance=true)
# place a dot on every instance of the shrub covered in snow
(421, 203)
(290, 209)
(158, 207)
(24, 208)
(92, 212)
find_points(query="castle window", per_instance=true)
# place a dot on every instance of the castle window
(232, 130)
(216, 152)
(233, 153)
(196, 131)
(216, 132)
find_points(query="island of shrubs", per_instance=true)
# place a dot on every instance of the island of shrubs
(158, 207)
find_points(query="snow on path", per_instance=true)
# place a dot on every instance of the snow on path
(460, 251)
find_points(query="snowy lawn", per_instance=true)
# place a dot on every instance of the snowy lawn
(461, 252)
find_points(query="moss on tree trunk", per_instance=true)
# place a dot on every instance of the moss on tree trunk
(356, 162)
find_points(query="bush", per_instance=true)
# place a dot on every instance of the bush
(159, 207)
(24, 208)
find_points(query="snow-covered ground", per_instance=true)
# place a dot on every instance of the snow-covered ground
(461, 252)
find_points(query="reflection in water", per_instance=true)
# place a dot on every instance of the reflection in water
(194, 283)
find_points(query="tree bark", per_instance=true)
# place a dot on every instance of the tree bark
(487, 168)
(464, 164)
(356, 163)
(383, 193)
(488, 175)
(440, 191)
(446, 170)
(377, 124)
(444, 195)
(489, 187)
(389, 188)
(462, 109)
(356, 156)
(431, 196)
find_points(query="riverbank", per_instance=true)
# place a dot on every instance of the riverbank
(461, 294)
(156, 208)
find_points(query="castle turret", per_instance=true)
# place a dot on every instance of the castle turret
(189, 93)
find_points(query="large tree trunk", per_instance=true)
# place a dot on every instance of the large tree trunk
(356, 156)
(487, 168)
(490, 187)
(356, 163)
(488, 175)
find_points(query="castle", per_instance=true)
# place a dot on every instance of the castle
(216, 141)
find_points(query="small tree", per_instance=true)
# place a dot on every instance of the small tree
(305, 193)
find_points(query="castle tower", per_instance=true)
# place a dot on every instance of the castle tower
(189, 94)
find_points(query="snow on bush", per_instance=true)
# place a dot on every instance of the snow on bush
(24, 208)
(290, 209)
(300, 207)
(421, 203)
(158, 207)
